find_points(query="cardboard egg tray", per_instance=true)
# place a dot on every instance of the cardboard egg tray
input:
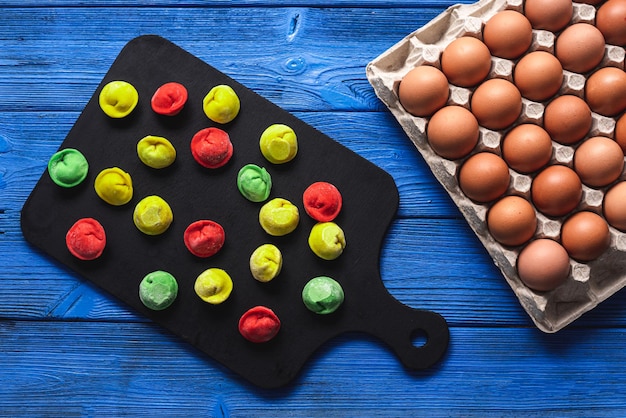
(589, 283)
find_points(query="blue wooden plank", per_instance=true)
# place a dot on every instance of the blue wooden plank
(321, 66)
(422, 4)
(109, 369)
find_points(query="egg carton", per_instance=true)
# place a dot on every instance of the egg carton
(589, 283)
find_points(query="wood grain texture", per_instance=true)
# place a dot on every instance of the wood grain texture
(301, 59)
(136, 369)
(68, 349)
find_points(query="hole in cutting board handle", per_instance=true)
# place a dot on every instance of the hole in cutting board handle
(418, 337)
(426, 342)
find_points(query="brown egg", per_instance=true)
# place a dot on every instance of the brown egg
(580, 47)
(452, 132)
(585, 236)
(567, 119)
(605, 91)
(527, 148)
(598, 161)
(538, 75)
(551, 15)
(620, 132)
(611, 21)
(556, 190)
(614, 206)
(512, 221)
(423, 90)
(484, 177)
(466, 61)
(592, 2)
(543, 265)
(496, 103)
(508, 34)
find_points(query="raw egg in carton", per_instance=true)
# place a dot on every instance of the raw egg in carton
(564, 251)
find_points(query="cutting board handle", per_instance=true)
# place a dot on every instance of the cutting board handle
(418, 337)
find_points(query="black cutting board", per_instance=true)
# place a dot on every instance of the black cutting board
(370, 201)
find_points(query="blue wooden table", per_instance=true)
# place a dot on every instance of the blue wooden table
(68, 349)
